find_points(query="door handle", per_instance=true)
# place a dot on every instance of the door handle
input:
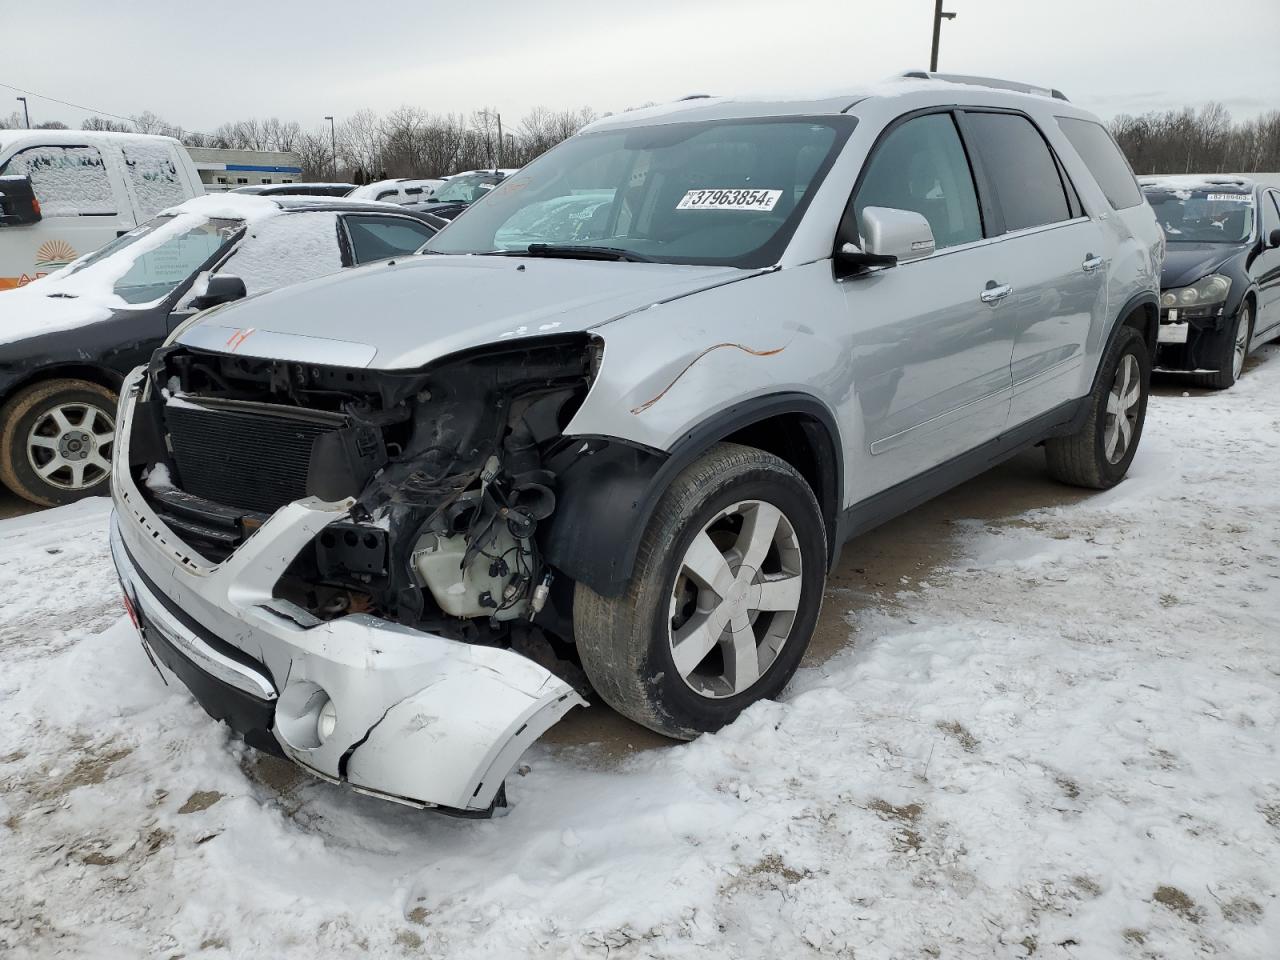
(1091, 263)
(994, 292)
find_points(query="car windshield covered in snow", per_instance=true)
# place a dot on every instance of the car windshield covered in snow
(724, 192)
(1206, 214)
(147, 263)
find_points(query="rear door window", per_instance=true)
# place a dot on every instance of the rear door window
(1105, 161)
(153, 174)
(921, 166)
(377, 238)
(1021, 169)
(68, 181)
(288, 248)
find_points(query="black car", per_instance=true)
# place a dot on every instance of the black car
(1220, 289)
(459, 192)
(67, 340)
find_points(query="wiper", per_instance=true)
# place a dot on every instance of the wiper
(573, 251)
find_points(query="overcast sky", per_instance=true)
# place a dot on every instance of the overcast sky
(227, 60)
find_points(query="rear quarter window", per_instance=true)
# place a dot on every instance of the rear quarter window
(1105, 161)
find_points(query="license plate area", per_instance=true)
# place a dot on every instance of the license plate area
(1174, 332)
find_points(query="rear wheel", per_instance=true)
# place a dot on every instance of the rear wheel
(1098, 455)
(723, 600)
(56, 440)
(1229, 351)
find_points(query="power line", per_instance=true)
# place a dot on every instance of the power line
(68, 103)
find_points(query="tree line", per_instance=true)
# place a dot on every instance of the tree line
(1199, 141)
(412, 142)
(406, 142)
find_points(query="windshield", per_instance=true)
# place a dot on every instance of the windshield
(466, 189)
(157, 256)
(712, 192)
(1202, 214)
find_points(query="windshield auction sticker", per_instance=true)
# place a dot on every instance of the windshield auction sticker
(1230, 197)
(729, 199)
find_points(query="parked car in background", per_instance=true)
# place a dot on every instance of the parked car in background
(67, 340)
(65, 193)
(296, 189)
(1221, 280)
(403, 190)
(636, 436)
(460, 191)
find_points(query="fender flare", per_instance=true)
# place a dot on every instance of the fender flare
(1151, 334)
(608, 489)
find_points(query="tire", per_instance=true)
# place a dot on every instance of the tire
(1229, 351)
(1085, 458)
(70, 421)
(626, 642)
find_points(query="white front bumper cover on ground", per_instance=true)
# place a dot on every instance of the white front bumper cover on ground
(393, 711)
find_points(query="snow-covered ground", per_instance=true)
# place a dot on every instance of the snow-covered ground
(1062, 744)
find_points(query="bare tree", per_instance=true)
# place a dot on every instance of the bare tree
(105, 125)
(1199, 141)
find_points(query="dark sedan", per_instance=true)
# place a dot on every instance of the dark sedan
(67, 340)
(1220, 294)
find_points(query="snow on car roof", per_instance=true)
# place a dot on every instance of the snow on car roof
(12, 137)
(1227, 182)
(803, 102)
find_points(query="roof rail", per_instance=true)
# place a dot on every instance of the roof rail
(695, 96)
(986, 82)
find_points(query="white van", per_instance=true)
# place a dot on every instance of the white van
(88, 188)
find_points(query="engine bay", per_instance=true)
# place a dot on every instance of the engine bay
(452, 473)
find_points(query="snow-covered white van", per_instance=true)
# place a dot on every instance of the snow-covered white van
(64, 193)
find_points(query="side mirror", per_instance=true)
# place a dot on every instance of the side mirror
(18, 204)
(222, 288)
(1273, 239)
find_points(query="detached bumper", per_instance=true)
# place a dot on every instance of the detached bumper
(395, 712)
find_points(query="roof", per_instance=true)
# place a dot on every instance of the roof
(248, 206)
(1227, 182)
(830, 102)
(8, 137)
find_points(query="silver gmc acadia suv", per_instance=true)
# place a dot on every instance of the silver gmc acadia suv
(615, 423)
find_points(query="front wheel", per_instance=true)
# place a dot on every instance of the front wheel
(56, 440)
(1098, 455)
(722, 602)
(1229, 352)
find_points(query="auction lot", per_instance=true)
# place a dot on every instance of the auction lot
(1033, 722)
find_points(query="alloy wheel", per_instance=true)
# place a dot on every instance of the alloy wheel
(69, 445)
(735, 599)
(1241, 346)
(1122, 408)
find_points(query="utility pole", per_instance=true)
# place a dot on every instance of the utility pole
(333, 146)
(497, 162)
(938, 16)
(25, 113)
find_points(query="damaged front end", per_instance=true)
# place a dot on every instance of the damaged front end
(369, 543)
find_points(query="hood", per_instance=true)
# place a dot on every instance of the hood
(32, 311)
(1185, 263)
(403, 314)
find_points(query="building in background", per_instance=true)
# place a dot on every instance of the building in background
(222, 170)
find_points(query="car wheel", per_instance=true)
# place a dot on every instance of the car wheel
(723, 600)
(1099, 454)
(1229, 352)
(56, 440)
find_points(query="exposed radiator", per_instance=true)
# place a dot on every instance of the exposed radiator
(252, 456)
